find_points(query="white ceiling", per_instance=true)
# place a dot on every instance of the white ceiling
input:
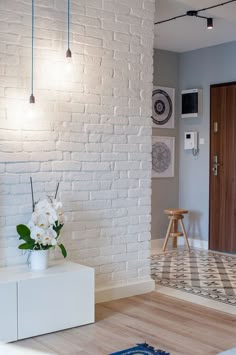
(189, 33)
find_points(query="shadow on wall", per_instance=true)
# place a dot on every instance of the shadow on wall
(194, 225)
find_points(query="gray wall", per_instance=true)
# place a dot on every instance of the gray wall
(165, 190)
(200, 69)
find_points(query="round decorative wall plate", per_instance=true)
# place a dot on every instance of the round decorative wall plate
(163, 107)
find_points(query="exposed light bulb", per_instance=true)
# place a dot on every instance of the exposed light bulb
(32, 113)
(69, 64)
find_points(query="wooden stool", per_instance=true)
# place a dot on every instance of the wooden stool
(175, 215)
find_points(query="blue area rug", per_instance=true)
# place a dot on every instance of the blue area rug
(141, 349)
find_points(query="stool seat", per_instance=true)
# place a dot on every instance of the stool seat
(175, 215)
(173, 211)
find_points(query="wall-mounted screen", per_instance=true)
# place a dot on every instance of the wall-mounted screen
(191, 103)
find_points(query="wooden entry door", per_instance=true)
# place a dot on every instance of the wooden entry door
(222, 229)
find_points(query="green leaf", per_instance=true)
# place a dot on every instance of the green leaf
(57, 228)
(23, 230)
(27, 239)
(63, 250)
(26, 246)
(24, 233)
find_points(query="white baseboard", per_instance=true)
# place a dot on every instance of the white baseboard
(195, 243)
(198, 243)
(122, 291)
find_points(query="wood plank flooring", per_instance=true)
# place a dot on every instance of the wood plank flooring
(164, 322)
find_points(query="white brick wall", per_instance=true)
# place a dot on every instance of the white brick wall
(92, 130)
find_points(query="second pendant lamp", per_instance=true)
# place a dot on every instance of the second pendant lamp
(32, 98)
(68, 52)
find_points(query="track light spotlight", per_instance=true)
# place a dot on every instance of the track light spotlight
(210, 23)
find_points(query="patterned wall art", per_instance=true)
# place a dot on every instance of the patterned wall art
(163, 156)
(163, 107)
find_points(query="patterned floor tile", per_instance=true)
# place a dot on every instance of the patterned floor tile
(203, 273)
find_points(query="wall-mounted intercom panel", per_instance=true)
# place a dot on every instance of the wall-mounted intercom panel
(191, 140)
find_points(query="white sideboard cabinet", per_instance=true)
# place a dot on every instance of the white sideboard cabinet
(8, 311)
(40, 302)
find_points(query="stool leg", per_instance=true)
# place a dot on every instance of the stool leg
(175, 228)
(184, 233)
(167, 235)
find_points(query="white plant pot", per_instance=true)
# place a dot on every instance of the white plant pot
(39, 259)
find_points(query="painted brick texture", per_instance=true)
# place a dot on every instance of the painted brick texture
(91, 130)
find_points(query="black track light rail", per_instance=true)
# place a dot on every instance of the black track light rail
(213, 6)
(194, 13)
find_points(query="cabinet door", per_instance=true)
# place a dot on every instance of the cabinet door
(8, 312)
(51, 303)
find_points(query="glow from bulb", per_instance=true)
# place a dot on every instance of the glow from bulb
(68, 64)
(31, 114)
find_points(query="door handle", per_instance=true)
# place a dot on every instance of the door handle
(215, 168)
(215, 165)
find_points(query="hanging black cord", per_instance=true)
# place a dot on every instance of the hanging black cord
(206, 8)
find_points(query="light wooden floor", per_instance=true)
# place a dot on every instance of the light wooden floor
(166, 323)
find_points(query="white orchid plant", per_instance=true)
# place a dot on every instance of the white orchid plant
(43, 230)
